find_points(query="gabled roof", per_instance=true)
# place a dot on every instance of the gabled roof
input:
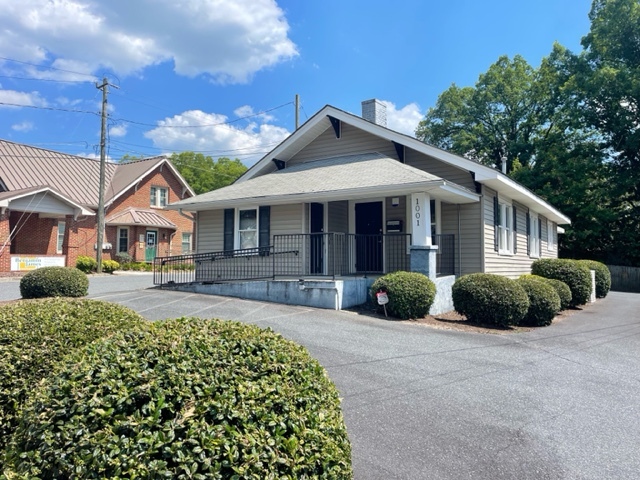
(348, 176)
(77, 178)
(319, 123)
(6, 197)
(137, 216)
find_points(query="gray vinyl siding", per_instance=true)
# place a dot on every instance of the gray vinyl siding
(396, 247)
(210, 231)
(467, 241)
(338, 217)
(43, 203)
(397, 213)
(544, 246)
(210, 235)
(353, 140)
(511, 266)
(440, 169)
(286, 219)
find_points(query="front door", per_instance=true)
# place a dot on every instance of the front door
(369, 237)
(316, 245)
(152, 242)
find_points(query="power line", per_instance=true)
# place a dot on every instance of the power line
(56, 109)
(49, 68)
(45, 79)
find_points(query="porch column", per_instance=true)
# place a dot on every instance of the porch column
(5, 236)
(422, 252)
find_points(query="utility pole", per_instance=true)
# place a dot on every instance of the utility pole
(103, 141)
(297, 111)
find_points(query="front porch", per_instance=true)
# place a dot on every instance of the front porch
(325, 270)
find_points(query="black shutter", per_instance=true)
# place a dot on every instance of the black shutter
(264, 237)
(229, 216)
(540, 237)
(496, 222)
(528, 234)
(515, 230)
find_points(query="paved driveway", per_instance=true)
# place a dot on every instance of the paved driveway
(557, 403)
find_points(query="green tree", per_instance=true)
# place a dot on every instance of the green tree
(205, 174)
(607, 81)
(510, 105)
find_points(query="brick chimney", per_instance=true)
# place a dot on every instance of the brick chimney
(375, 112)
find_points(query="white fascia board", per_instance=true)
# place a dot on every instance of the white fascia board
(76, 206)
(503, 184)
(348, 194)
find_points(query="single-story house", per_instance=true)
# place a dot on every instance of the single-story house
(344, 197)
(49, 201)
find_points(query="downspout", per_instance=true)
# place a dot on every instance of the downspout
(459, 245)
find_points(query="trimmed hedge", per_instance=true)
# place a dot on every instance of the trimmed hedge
(110, 266)
(544, 301)
(562, 289)
(86, 264)
(603, 276)
(571, 272)
(490, 299)
(411, 294)
(54, 282)
(35, 335)
(187, 398)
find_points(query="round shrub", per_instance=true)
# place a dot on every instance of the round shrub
(490, 299)
(562, 289)
(544, 301)
(86, 264)
(54, 282)
(110, 266)
(411, 294)
(603, 276)
(187, 398)
(571, 272)
(35, 335)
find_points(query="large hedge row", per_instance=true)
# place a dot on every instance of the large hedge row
(575, 274)
(544, 301)
(185, 398)
(54, 282)
(603, 276)
(490, 299)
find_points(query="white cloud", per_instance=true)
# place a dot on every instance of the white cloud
(196, 130)
(118, 130)
(229, 40)
(13, 97)
(405, 119)
(247, 111)
(22, 127)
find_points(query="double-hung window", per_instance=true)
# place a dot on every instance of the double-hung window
(534, 236)
(61, 229)
(186, 243)
(248, 228)
(158, 197)
(123, 240)
(505, 229)
(551, 239)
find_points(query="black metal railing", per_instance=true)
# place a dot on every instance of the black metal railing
(340, 254)
(446, 256)
(245, 264)
(300, 255)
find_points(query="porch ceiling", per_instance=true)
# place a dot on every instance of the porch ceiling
(338, 178)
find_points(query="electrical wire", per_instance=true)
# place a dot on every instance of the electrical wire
(49, 68)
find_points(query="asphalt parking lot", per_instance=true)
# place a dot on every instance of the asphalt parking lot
(556, 403)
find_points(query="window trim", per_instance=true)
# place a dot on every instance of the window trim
(534, 240)
(551, 243)
(505, 224)
(154, 193)
(120, 229)
(60, 241)
(190, 243)
(237, 231)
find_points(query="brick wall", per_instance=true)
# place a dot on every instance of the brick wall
(5, 244)
(38, 236)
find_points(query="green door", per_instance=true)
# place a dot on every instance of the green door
(150, 250)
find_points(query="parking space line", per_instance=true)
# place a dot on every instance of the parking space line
(167, 303)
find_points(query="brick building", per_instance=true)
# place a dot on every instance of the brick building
(49, 201)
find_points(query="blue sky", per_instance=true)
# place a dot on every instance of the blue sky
(220, 76)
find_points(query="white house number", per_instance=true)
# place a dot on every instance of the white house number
(417, 213)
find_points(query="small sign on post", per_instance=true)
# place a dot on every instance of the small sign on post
(383, 299)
